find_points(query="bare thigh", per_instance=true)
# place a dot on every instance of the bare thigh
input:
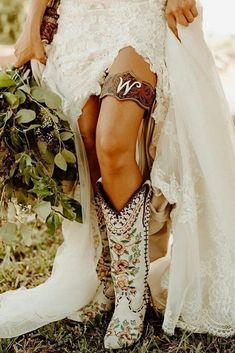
(127, 59)
(119, 121)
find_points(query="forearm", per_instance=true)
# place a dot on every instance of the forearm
(36, 11)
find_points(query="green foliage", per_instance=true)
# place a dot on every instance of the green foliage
(37, 152)
(12, 15)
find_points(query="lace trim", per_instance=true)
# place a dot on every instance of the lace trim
(208, 303)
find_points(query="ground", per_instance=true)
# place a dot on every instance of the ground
(31, 265)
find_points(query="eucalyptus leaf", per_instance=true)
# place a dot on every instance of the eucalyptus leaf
(8, 115)
(52, 100)
(43, 209)
(25, 116)
(28, 161)
(15, 140)
(53, 222)
(49, 157)
(69, 213)
(42, 146)
(40, 190)
(11, 99)
(66, 135)
(60, 161)
(68, 156)
(46, 155)
(50, 166)
(50, 224)
(12, 170)
(38, 93)
(77, 208)
(21, 96)
(5, 80)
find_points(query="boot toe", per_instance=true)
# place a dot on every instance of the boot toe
(117, 342)
(122, 336)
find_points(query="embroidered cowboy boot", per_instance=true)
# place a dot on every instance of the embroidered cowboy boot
(104, 297)
(127, 231)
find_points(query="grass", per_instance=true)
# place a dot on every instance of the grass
(31, 265)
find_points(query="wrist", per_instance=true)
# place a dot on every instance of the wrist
(32, 27)
(33, 23)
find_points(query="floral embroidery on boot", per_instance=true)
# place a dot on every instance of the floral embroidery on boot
(128, 240)
(104, 297)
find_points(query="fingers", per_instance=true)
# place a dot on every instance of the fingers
(20, 61)
(23, 58)
(18, 64)
(42, 59)
(178, 13)
(194, 11)
(189, 16)
(41, 55)
(173, 25)
(181, 19)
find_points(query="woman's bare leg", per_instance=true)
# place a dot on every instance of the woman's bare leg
(117, 131)
(87, 124)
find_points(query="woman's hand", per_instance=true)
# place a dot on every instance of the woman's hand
(29, 46)
(180, 11)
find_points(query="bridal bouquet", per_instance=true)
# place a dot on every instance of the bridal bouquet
(37, 155)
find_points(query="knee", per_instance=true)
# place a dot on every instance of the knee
(112, 154)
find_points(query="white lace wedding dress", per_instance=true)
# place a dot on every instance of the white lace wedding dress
(193, 150)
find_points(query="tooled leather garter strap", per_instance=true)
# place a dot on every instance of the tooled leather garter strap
(125, 86)
(50, 21)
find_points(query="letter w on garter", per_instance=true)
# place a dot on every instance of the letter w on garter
(127, 85)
